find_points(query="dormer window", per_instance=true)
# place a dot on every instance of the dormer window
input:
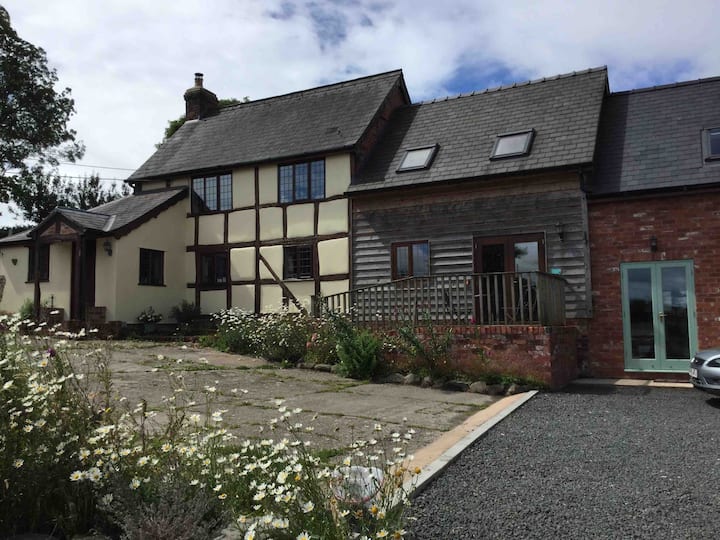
(417, 158)
(513, 144)
(711, 144)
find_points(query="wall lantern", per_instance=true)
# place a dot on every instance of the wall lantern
(653, 244)
(14, 261)
(107, 246)
(560, 230)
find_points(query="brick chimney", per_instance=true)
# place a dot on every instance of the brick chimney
(199, 102)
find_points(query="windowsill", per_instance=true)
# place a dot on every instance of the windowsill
(212, 286)
(712, 158)
(151, 285)
(30, 282)
(302, 201)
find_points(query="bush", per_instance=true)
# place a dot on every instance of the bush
(281, 336)
(358, 353)
(428, 346)
(185, 312)
(27, 310)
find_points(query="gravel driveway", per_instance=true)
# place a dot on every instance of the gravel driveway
(592, 463)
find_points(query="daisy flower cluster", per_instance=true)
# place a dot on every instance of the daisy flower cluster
(65, 432)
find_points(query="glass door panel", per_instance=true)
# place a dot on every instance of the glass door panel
(675, 312)
(642, 328)
(659, 326)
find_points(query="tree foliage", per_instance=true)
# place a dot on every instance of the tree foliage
(33, 115)
(36, 198)
(174, 125)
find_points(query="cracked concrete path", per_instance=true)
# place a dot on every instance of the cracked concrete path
(340, 410)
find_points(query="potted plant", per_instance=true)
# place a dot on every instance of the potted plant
(149, 317)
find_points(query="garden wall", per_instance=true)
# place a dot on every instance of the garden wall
(545, 353)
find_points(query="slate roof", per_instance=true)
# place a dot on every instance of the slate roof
(110, 218)
(318, 120)
(563, 110)
(652, 138)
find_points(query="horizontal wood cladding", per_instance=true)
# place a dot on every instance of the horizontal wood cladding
(450, 222)
(457, 191)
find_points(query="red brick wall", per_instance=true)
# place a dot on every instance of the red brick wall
(547, 354)
(687, 226)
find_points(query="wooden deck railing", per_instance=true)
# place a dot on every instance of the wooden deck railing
(499, 298)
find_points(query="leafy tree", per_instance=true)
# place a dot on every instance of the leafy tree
(37, 197)
(33, 115)
(174, 125)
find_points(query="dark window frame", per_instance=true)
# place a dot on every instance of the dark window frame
(213, 280)
(299, 253)
(524, 152)
(151, 267)
(509, 242)
(215, 182)
(428, 161)
(310, 185)
(411, 266)
(44, 263)
(708, 155)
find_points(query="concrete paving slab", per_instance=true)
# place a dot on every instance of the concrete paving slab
(338, 409)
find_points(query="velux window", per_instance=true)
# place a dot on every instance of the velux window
(297, 262)
(513, 144)
(711, 144)
(410, 259)
(417, 158)
(211, 194)
(151, 267)
(302, 181)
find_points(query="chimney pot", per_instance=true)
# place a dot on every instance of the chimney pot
(198, 80)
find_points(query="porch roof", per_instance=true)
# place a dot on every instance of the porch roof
(115, 218)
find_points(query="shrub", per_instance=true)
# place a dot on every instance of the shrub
(185, 312)
(27, 310)
(358, 353)
(428, 346)
(281, 336)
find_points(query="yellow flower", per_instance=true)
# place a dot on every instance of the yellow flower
(374, 510)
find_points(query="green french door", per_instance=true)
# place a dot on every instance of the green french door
(659, 325)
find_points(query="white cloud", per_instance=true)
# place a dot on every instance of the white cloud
(128, 62)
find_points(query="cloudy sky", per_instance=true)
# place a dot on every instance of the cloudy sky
(128, 62)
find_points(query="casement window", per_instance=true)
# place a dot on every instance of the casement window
(711, 144)
(298, 262)
(44, 267)
(417, 158)
(214, 269)
(211, 194)
(513, 144)
(301, 181)
(410, 259)
(152, 267)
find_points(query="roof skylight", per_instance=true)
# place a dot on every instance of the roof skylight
(513, 144)
(417, 158)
